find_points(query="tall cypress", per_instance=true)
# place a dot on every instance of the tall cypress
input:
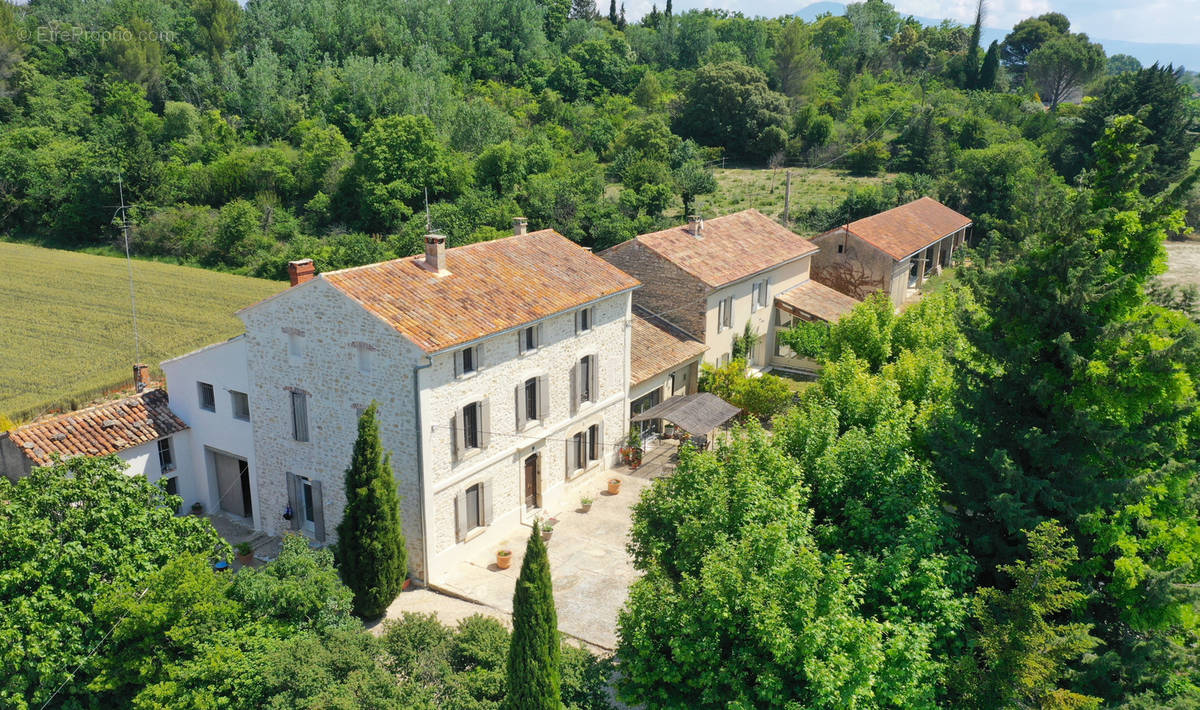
(991, 67)
(612, 11)
(971, 68)
(371, 552)
(534, 666)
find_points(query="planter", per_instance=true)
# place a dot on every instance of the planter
(614, 486)
(504, 559)
(669, 431)
(246, 560)
(407, 582)
(245, 553)
(547, 534)
(197, 509)
(585, 507)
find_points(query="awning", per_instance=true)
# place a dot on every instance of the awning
(696, 414)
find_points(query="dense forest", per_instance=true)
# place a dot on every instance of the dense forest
(247, 136)
(988, 500)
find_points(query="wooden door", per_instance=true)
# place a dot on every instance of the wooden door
(531, 482)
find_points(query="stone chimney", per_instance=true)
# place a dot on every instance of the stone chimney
(696, 225)
(520, 226)
(141, 377)
(301, 271)
(435, 254)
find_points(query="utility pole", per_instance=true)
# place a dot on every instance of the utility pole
(787, 200)
(137, 346)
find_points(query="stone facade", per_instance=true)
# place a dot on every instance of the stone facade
(665, 289)
(308, 339)
(857, 268)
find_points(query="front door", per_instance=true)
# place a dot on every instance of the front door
(233, 484)
(531, 483)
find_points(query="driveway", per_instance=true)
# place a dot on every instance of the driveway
(589, 566)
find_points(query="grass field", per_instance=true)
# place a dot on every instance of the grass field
(65, 330)
(763, 189)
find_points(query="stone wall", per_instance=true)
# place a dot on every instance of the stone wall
(665, 288)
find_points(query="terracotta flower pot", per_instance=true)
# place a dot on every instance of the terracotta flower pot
(246, 560)
(585, 507)
(503, 559)
(547, 534)
(614, 486)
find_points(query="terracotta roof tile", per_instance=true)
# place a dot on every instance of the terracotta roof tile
(492, 286)
(817, 300)
(729, 248)
(103, 429)
(658, 346)
(905, 230)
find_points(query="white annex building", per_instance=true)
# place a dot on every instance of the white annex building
(501, 372)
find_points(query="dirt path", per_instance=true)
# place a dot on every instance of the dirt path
(1183, 263)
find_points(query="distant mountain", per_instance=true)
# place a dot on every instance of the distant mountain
(1186, 55)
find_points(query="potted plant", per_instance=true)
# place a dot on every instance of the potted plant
(585, 504)
(245, 553)
(197, 508)
(547, 529)
(631, 453)
(614, 486)
(504, 559)
(668, 431)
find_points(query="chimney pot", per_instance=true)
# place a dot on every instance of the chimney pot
(141, 377)
(301, 271)
(520, 226)
(696, 225)
(435, 253)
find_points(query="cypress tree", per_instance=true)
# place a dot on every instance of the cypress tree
(371, 552)
(971, 73)
(991, 67)
(612, 11)
(534, 668)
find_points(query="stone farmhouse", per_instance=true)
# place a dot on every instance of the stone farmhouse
(893, 251)
(506, 372)
(709, 278)
(500, 369)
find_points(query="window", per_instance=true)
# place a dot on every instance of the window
(295, 349)
(593, 442)
(474, 501)
(758, 295)
(578, 452)
(471, 426)
(783, 320)
(723, 360)
(208, 398)
(528, 339)
(364, 360)
(531, 399)
(299, 416)
(725, 313)
(173, 485)
(841, 248)
(310, 517)
(166, 459)
(679, 382)
(466, 361)
(583, 320)
(241, 405)
(587, 366)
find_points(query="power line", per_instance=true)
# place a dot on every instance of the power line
(137, 346)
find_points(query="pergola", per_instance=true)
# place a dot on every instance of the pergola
(697, 414)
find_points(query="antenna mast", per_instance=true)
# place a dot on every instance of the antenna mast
(137, 346)
(428, 222)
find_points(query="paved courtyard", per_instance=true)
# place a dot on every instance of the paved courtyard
(589, 566)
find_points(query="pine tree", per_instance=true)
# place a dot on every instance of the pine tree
(534, 666)
(371, 552)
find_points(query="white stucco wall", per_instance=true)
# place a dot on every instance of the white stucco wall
(223, 365)
(502, 462)
(779, 279)
(331, 330)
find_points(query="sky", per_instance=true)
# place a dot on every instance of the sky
(1131, 20)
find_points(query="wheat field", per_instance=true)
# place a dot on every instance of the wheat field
(66, 332)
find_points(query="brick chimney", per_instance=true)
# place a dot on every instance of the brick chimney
(520, 226)
(141, 377)
(435, 254)
(696, 225)
(301, 271)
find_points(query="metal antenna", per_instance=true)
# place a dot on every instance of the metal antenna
(137, 347)
(428, 222)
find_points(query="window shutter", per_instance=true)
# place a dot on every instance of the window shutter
(318, 512)
(594, 388)
(486, 491)
(521, 341)
(519, 405)
(456, 435)
(578, 322)
(601, 447)
(479, 357)
(485, 423)
(537, 335)
(460, 516)
(574, 388)
(568, 459)
(458, 363)
(542, 397)
(293, 486)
